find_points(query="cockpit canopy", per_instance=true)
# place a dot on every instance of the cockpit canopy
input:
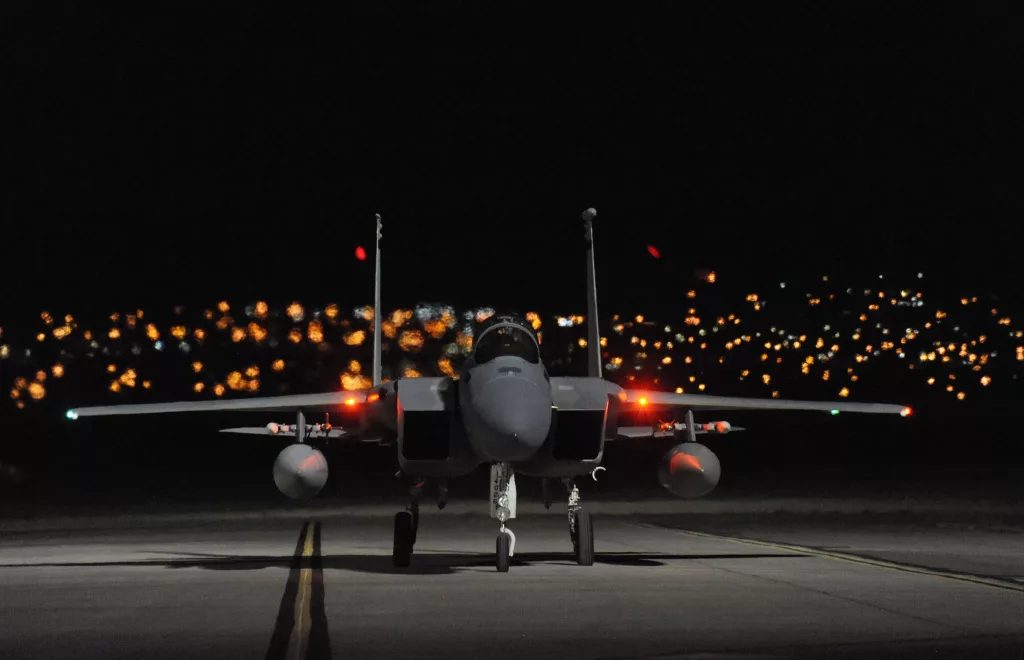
(513, 340)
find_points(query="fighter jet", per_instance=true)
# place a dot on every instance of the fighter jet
(501, 409)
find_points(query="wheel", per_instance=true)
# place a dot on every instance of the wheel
(584, 539)
(403, 539)
(501, 549)
(415, 525)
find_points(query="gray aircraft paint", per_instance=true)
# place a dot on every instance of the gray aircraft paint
(300, 471)
(506, 401)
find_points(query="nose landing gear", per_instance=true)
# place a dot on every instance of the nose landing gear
(503, 507)
(581, 529)
(503, 550)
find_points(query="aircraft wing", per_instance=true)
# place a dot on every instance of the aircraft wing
(263, 430)
(325, 401)
(641, 400)
(633, 432)
(332, 434)
(699, 402)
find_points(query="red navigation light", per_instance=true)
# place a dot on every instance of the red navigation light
(350, 402)
(653, 251)
(360, 253)
(643, 401)
(906, 412)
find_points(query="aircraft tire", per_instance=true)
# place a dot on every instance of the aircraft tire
(502, 547)
(403, 539)
(584, 539)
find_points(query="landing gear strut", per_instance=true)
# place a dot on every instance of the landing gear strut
(442, 493)
(407, 523)
(415, 495)
(545, 491)
(503, 503)
(581, 529)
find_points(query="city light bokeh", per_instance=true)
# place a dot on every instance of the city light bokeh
(848, 340)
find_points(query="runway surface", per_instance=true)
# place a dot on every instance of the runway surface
(663, 587)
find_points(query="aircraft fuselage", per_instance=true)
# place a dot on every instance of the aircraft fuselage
(502, 408)
(506, 405)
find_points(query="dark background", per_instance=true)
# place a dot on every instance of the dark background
(157, 158)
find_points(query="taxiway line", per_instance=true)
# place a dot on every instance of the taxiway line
(845, 557)
(299, 640)
(301, 629)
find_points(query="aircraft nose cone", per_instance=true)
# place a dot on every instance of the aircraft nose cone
(517, 409)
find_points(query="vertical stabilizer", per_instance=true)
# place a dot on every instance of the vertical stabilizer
(593, 330)
(376, 313)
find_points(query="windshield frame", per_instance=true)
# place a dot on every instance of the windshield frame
(492, 348)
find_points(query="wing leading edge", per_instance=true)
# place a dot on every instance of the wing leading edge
(700, 402)
(325, 401)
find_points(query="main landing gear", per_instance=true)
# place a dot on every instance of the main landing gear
(406, 525)
(503, 507)
(407, 522)
(404, 539)
(581, 528)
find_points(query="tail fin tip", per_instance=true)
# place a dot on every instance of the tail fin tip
(593, 328)
(376, 312)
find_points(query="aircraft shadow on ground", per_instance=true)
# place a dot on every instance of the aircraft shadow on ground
(429, 563)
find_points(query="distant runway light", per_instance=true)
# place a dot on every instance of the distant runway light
(654, 252)
(360, 253)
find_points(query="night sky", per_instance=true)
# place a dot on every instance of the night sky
(180, 157)
(159, 158)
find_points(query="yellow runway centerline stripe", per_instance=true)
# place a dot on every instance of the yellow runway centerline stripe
(298, 643)
(853, 559)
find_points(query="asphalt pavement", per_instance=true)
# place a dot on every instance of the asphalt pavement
(663, 586)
